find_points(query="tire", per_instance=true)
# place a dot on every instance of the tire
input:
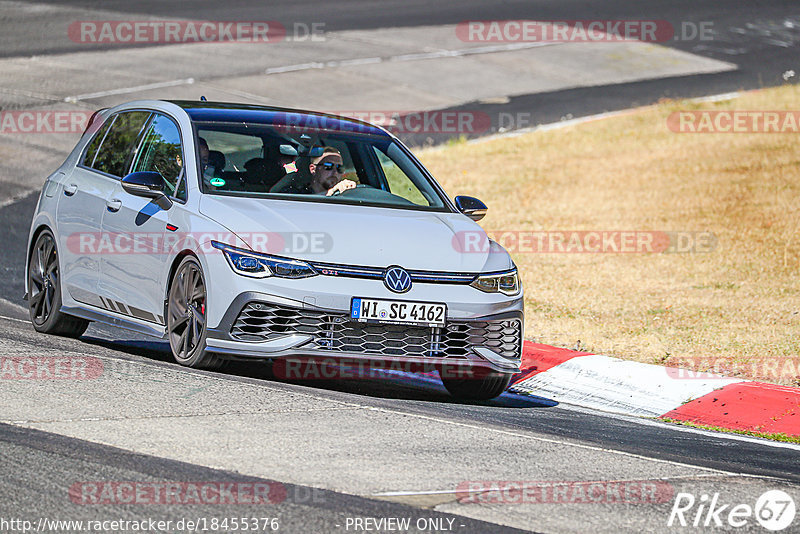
(483, 386)
(186, 317)
(44, 291)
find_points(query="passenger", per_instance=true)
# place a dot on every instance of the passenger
(211, 162)
(202, 147)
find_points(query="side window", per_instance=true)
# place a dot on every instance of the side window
(114, 155)
(161, 153)
(399, 183)
(94, 144)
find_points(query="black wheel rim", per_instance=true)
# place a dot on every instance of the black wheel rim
(43, 278)
(186, 311)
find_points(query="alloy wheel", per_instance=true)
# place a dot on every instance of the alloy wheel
(186, 311)
(43, 275)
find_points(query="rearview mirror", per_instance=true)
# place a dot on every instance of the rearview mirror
(313, 152)
(471, 207)
(147, 184)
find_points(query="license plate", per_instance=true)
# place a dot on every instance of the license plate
(398, 312)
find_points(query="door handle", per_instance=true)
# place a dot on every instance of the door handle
(70, 189)
(113, 205)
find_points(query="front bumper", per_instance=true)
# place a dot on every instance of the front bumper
(262, 326)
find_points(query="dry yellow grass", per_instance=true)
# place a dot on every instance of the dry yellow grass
(739, 303)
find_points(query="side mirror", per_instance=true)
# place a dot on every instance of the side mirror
(471, 207)
(147, 185)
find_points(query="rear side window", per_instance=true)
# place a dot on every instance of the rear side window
(117, 144)
(161, 152)
(91, 152)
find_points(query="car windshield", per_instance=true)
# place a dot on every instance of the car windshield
(258, 160)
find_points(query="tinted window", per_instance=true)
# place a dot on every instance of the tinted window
(238, 149)
(382, 174)
(114, 155)
(91, 151)
(161, 152)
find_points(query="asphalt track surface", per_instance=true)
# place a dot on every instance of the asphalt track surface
(39, 465)
(46, 458)
(41, 460)
(761, 38)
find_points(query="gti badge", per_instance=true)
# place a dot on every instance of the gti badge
(397, 280)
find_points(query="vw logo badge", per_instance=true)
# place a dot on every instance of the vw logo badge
(397, 280)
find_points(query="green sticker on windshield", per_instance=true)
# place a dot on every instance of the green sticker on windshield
(217, 182)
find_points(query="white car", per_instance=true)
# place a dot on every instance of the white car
(253, 232)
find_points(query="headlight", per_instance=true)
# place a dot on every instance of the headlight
(257, 265)
(506, 283)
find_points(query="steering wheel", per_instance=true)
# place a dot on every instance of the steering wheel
(351, 190)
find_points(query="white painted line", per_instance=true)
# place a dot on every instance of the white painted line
(14, 304)
(718, 98)
(408, 493)
(6, 317)
(484, 428)
(599, 116)
(420, 56)
(245, 94)
(294, 68)
(16, 198)
(125, 90)
(351, 62)
(29, 94)
(484, 490)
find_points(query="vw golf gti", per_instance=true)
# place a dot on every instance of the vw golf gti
(239, 231)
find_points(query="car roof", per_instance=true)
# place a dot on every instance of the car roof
(203, 111)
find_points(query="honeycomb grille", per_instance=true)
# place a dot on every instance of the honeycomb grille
(335, 332)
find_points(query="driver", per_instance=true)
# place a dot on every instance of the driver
(321, 175)
(326, 173)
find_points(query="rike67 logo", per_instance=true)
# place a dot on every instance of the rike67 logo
(774, 510)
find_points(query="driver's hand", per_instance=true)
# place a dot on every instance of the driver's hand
(342, 186)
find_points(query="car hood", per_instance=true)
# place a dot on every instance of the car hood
(358, 235)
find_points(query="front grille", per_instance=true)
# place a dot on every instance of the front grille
(259, 321)
(378, 273)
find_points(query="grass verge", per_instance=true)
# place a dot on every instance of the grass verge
(738, 304)
(766, 435)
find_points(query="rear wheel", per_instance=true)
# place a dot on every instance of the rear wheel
(44, 291)
(482, 386)
(186, 317)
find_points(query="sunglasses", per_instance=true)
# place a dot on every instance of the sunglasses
(329, 165)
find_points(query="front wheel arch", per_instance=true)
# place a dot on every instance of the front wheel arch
(172, 268)
(198, 355)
